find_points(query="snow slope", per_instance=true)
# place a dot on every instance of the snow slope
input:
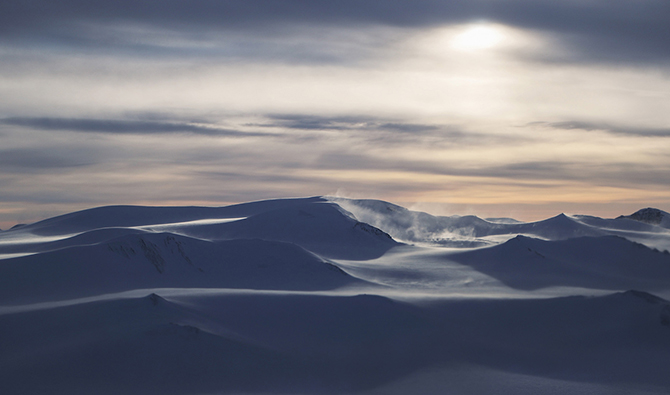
(162, 260)
(307, 343)
(608, 262)
(333, 296)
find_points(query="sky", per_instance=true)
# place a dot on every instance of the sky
(519, 108)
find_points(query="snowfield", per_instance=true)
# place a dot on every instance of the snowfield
(328, 295)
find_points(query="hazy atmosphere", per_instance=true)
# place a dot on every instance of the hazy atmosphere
(516, 108)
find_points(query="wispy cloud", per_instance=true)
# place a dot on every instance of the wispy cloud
(381, 131)
(124, 126)
(622, 130)
(25, 160)
(313, 122)
(541, 173)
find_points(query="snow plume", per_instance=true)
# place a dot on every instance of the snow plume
(417, 227)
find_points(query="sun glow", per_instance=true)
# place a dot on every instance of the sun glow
(477, 37)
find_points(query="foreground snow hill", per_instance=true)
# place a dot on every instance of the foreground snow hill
(333, 296)
(309, 343)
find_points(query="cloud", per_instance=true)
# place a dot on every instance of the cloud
(519, 171)
(621, 31)
(236, 14)
(289, 127)
(622, 130)
(124, 126)
(380, 131)
(540, 173)
(314, 122)
(37, 160)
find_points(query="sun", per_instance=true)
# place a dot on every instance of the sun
(477, 37)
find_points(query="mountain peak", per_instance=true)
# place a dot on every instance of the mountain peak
(155, 299)
(648, 215)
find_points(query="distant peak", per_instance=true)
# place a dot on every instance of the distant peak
(503, 220)
(647, 215)
(646, 296)
(560, 218)
(154, 299)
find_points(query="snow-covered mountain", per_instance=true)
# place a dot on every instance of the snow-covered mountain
(607, 262)
(328, 295)
(652, 216)
(471, 231)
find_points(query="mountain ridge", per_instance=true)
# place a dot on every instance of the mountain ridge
(331, 296)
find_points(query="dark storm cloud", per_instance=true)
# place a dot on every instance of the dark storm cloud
(631, 131)
(629, 31)
(123, 126)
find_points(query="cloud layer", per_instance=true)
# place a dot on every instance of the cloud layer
(205, 102)
(600, 30)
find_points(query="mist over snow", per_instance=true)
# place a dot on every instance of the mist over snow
(327, 295)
